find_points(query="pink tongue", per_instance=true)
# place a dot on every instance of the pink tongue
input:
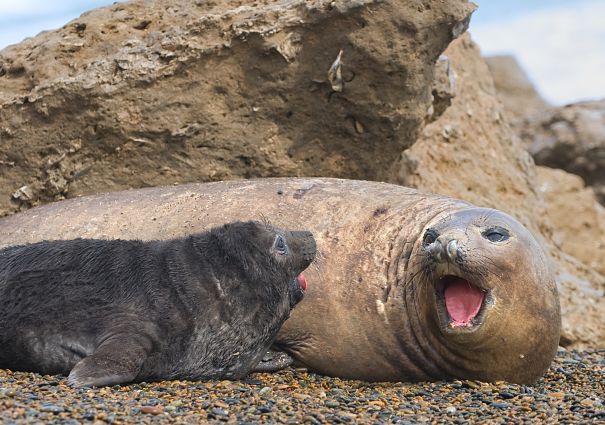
(302, 281)
(462, 301)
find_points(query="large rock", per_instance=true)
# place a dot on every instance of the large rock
(513, 87)
(572, 138)
(578, 219)
(154, 92)
(471, 152)
(579, 230)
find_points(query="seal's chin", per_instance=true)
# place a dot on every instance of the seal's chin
(460, 304)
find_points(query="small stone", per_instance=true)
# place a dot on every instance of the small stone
(265, 390)
(332, 403)
(24, 194)
(7, 392)
(53, 408)
(359, 128)
(587, 402)
(221, 404)
(152, 410)
(557, 394)
(267, 408)
(500, 405)
(311, 420)
(219, 412)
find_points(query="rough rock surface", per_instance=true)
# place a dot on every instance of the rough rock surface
(150, 93)
(572, 138)
(579, 231)
(471, 152)
(578, 219)
(513, 87)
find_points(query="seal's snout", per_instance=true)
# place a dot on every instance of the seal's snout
(443, 250)
(436, 251)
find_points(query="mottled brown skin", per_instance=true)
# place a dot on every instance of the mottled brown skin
(371, 311)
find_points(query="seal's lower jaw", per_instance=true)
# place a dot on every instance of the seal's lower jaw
(460, 304)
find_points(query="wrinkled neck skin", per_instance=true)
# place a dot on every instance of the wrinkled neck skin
(424, 352)
(432, 354)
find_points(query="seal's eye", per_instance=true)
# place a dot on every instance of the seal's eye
(280, 245)
(496, 234)
(430, 236)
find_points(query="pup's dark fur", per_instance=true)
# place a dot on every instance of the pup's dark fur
(110, 312)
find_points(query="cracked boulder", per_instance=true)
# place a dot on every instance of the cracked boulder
(514, 88)
(572, 138)
(149, 93)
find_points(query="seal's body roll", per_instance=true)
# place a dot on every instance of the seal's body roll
(408, 285)
(199, 307)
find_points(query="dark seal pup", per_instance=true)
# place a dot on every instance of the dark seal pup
(206, 306)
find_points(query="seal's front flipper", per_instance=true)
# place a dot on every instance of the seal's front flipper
(117, 360)
(272, 362)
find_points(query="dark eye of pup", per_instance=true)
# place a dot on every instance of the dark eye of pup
(430, 236)
(280, 245)
(496, 234)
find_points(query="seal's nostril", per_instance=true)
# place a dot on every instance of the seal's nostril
(436, 251)
(430, 236)
(452, 249)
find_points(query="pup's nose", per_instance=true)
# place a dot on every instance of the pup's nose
(309, 247)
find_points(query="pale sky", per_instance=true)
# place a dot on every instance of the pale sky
(559, 43)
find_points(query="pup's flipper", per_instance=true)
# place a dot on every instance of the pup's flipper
(117, 360)
(272, 362)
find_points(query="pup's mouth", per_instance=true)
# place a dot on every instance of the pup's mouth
(460, 304)
(302, 282)
(298, 286)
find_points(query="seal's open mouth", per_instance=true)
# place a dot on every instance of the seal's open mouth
(461, 300)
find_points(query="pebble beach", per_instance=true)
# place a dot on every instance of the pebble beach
(572, 391)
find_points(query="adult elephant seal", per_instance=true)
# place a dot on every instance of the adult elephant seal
(205, 306)
(409, 286)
